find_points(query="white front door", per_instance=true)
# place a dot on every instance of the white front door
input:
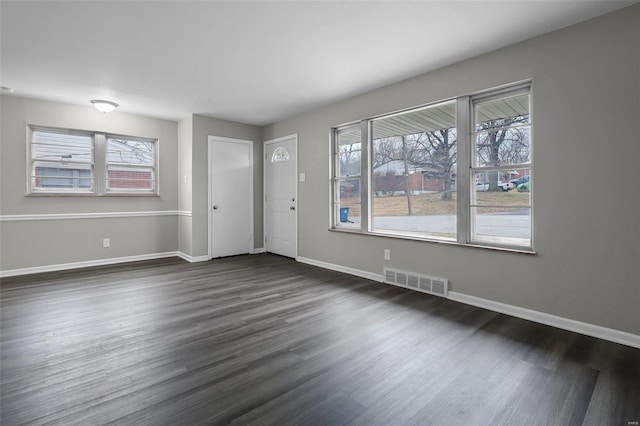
(230, 196)
(281, 196)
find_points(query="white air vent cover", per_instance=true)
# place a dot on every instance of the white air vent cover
(412, 281)
(418, 282)
(389, 275)
(425, 283)
(401, 278)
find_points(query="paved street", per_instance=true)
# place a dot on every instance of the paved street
(513, 225)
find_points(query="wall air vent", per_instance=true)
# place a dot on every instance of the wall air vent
(389, 275)
(418, 282)
(401, 278)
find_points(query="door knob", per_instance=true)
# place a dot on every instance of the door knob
(216, 207)
(292, 208)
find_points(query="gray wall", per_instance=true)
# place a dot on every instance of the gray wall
(586, 111)
(50, 242)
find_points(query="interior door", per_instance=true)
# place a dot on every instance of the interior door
(281, 196)
(230, 197)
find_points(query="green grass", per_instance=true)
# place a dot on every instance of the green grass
(433, 204)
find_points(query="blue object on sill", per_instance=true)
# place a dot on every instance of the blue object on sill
(344, 214)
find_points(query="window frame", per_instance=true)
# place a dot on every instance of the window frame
(31, 176)
(370, 199)
(464, 173)
(336, 178)
(154, 167)
(473, 168)
(99, 164)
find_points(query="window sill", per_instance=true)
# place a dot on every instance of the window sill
(514, 250)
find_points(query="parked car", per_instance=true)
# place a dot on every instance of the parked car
(520, 180)
(505, 186)
(523, 187)
(484, 186)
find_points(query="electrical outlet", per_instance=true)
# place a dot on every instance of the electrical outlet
(106, 242)
(387, 254)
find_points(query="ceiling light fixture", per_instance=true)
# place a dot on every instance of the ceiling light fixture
(104, 106)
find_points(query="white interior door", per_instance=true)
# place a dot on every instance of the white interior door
(281, 196)
(230, 197)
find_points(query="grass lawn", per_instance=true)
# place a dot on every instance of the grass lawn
(433, 204)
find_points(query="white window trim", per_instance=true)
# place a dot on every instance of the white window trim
(464, 118)
(473, 168)
(133, 191)
(99, 165)
(30, 163)
(336, 179)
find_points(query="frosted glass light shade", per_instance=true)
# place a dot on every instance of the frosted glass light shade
(104, 106)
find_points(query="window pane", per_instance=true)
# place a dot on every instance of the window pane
(48, 175)
(502, 215)
(349, 152)
(414, 172)
(349, 164)
(131, 165)
(130, 179)
(510, 225)
(348, 202)
(280, 154)
(61, 147)
(503, 131)
(125, 151)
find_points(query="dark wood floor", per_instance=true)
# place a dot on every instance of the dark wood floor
(264, 340)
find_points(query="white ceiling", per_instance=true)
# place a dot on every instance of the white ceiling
(255, 62)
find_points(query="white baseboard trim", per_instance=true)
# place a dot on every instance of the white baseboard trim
(340, 268)
(258, 250)
(592, 330)
(85, 264)
(587, 329)
(192, 259)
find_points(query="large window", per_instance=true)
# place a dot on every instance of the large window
(414, 172)
(458, 170)
(77, 162)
